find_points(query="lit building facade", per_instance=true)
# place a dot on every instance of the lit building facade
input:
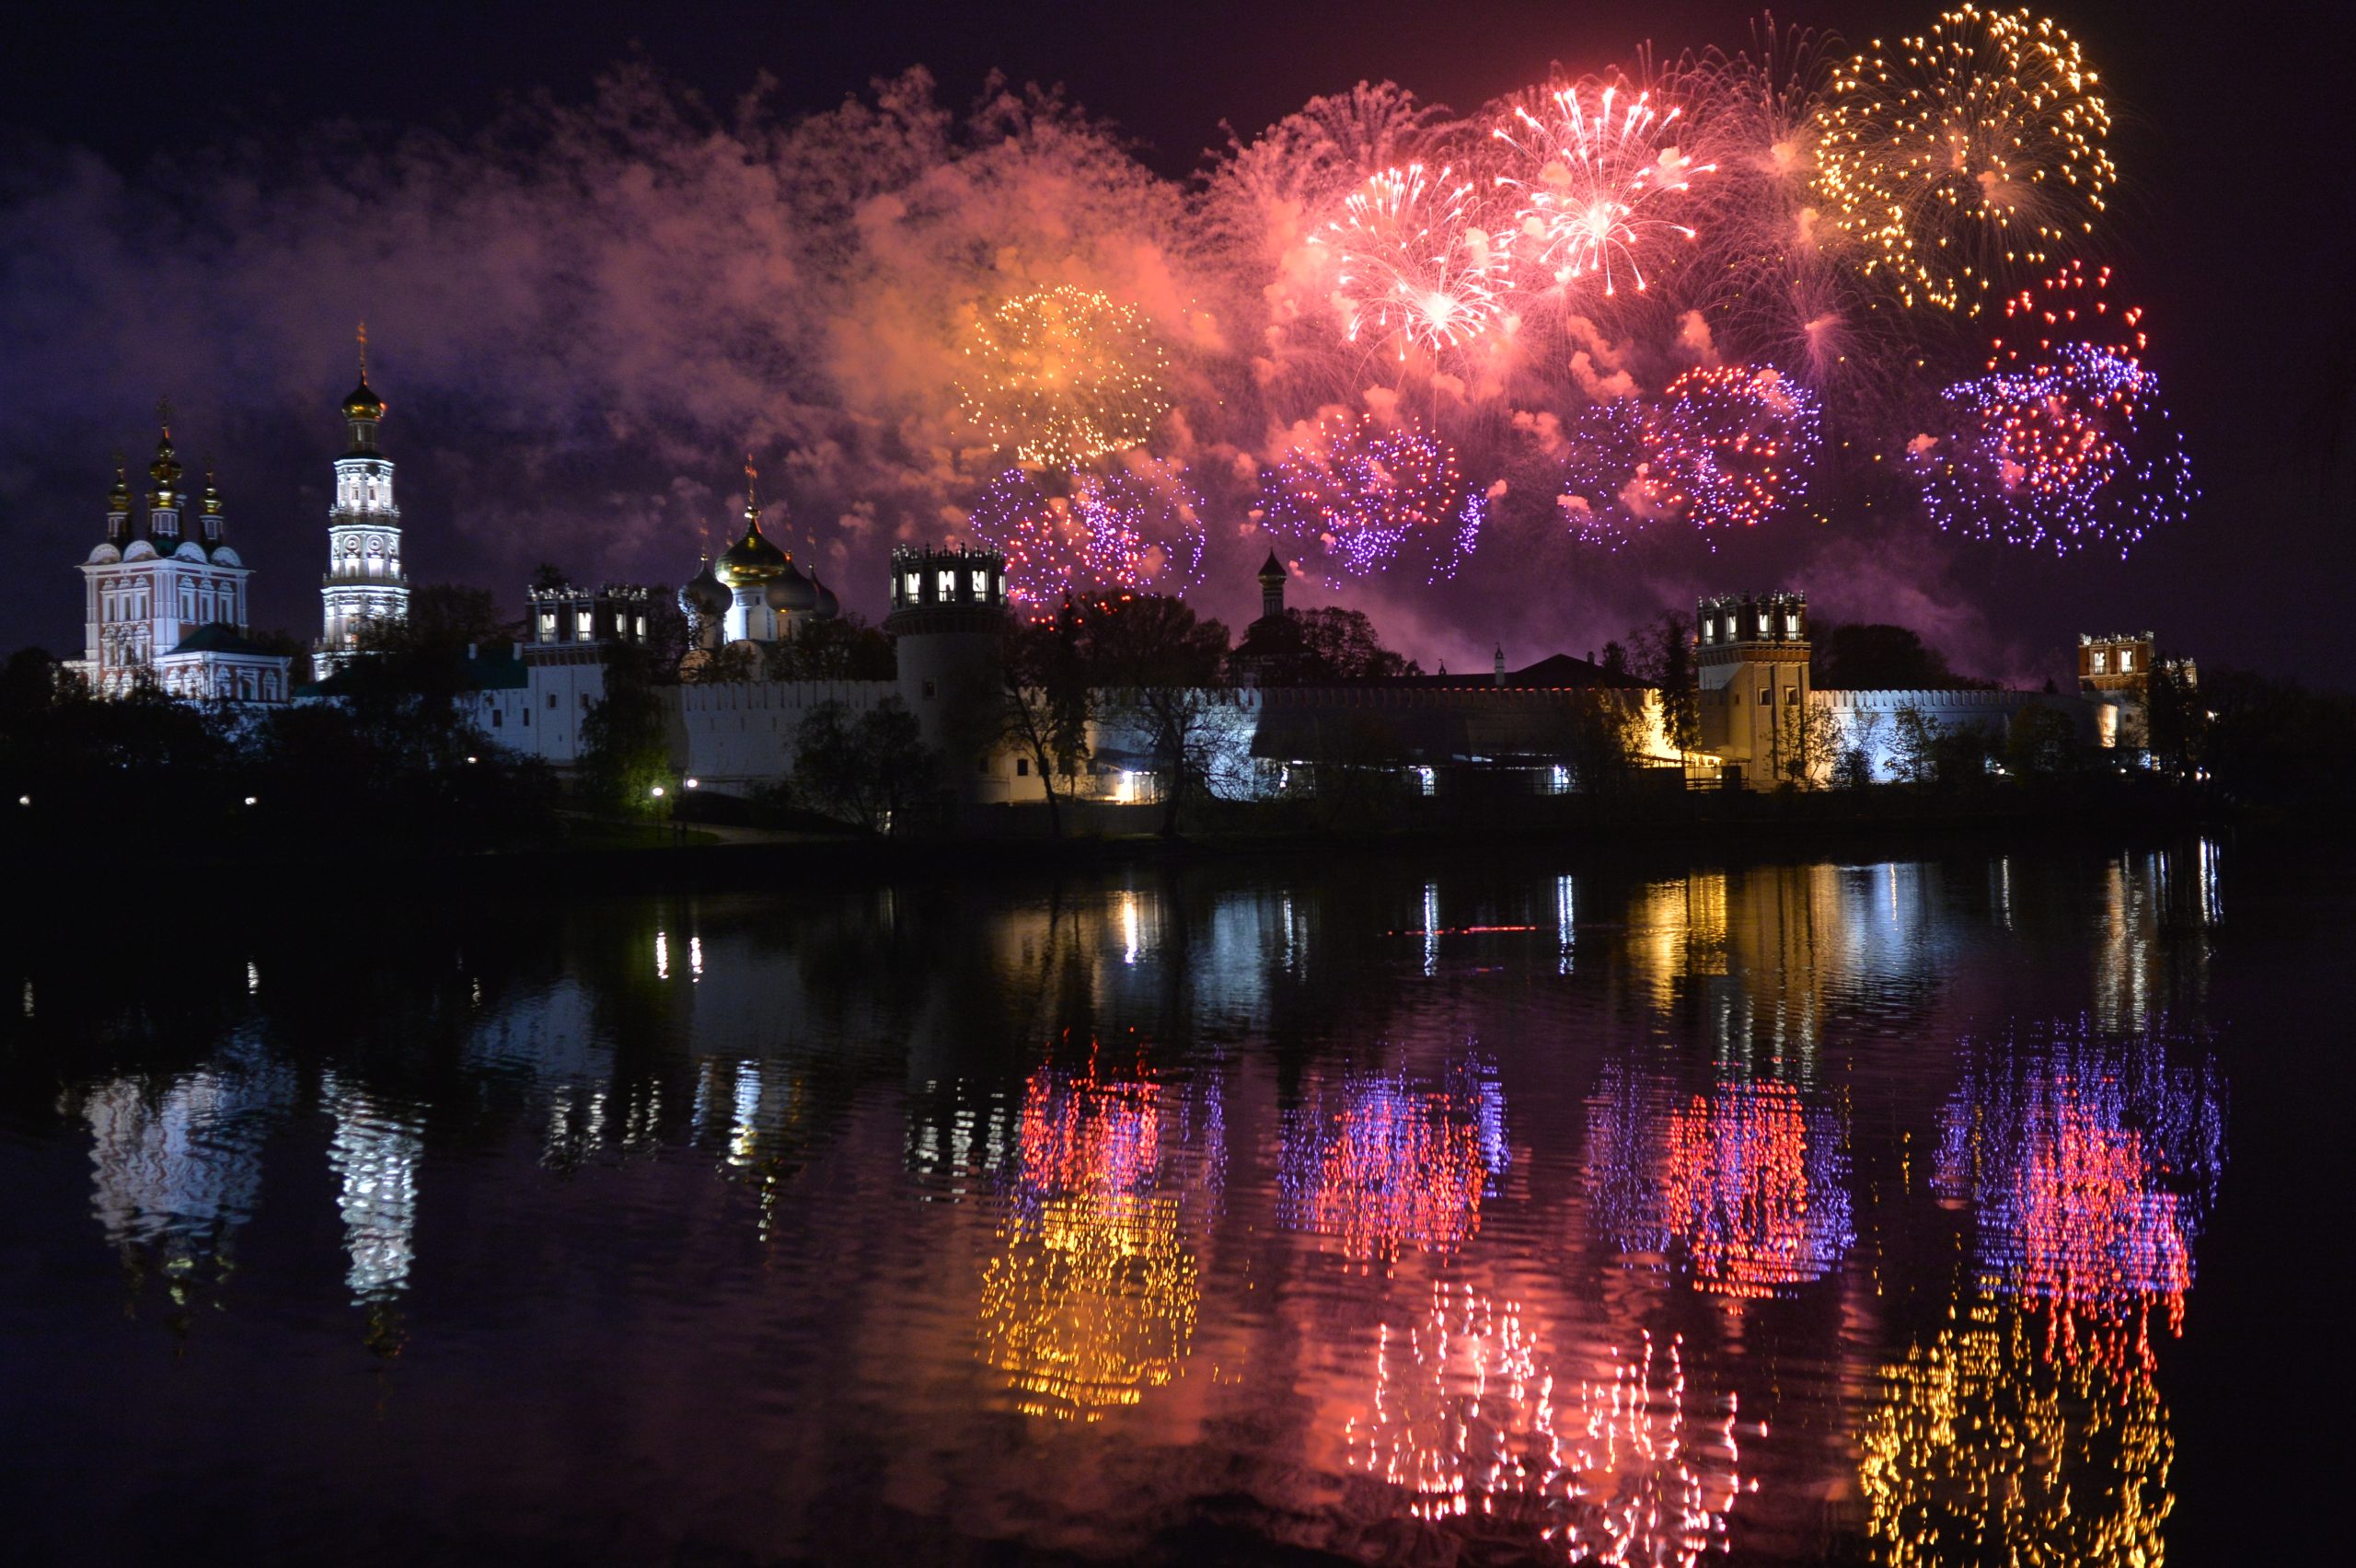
(365, 580)
(164, 598)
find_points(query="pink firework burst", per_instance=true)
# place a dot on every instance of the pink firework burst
(1414, 270)
(1596, 177)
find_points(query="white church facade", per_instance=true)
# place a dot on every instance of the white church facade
(164, 598)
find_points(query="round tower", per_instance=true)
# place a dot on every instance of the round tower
(948, 625)
(365, 580)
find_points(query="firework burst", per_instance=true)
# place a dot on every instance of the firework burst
(1413, 270)
(1045, 538)
(1144, 533)
(1614, 481)
(1596, 176)
(2071, 306)
(1357, 495)
(1962, 156)
(2073, 454)
(1063, 376)
(1740, 440)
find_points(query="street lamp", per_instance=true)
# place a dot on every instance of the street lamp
(656, 791)
(694, 783)
(249, 800)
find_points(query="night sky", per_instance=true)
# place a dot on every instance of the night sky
(178, 215)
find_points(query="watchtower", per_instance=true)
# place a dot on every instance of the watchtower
(1751, 655)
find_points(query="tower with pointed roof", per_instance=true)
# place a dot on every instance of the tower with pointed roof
(365, 580)
(164, 594)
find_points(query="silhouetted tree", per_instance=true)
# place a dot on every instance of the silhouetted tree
(867, 771)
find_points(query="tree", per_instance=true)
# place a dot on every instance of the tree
(1318, 647)
(625, 753)
(2042, 743)
(1876, 657)
(843, 649)
(2175, 721)
(1162, 664)
(1913, 742)
(1665, 660)
(1807, 741)
(1048, 705)
(1853, 761)
(1598, 733)
(548, 576)
(867, 771)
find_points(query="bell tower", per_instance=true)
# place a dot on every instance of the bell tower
(364, 581)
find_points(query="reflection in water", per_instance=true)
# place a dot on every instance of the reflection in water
(1746, 1184)
(177, 1169)
(1988, 1449)
(1384, 1165)
(374, 1153)
(1468, 1419)
(2089, 1162)
(1094, 1297)
(1371, 1327)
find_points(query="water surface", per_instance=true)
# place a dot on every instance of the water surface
(1480, 1209)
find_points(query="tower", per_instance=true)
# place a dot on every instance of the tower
(1751, 669)
(1272, 587)
(364, 579)
(948, 626)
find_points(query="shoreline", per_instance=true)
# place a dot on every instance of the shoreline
(1722, 828)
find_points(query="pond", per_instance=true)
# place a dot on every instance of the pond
(1484, 1207)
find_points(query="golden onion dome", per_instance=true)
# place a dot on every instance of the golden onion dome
(363, 403)
(750, 560)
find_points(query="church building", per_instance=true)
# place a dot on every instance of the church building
(164, 598)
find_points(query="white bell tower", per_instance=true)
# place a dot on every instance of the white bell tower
(364, 580)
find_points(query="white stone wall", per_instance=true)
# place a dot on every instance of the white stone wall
(1869, 718)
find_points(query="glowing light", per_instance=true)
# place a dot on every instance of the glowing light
(2073, 454)
(1063, 376)
(1982, 1449)
(1360, 494)
(1593, 173)
(1390, 1167)
(1744, 1186)
(1470, 1421)
(1960, 156)
(1413, 270)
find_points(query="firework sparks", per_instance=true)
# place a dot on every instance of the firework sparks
(1360, 494)
(1045, 538)
(1593, 174)
(1964, 155)
(1614, 479)
(2073, 454)
(1414, 270)
(1144, 535)
(1063, 376)
(1740, 440)
(2072, 306)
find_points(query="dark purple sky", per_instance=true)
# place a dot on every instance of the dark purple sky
(2231, 221)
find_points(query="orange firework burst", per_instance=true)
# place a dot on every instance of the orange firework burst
(1063, 376)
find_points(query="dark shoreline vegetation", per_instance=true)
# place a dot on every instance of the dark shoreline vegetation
(395, 772)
